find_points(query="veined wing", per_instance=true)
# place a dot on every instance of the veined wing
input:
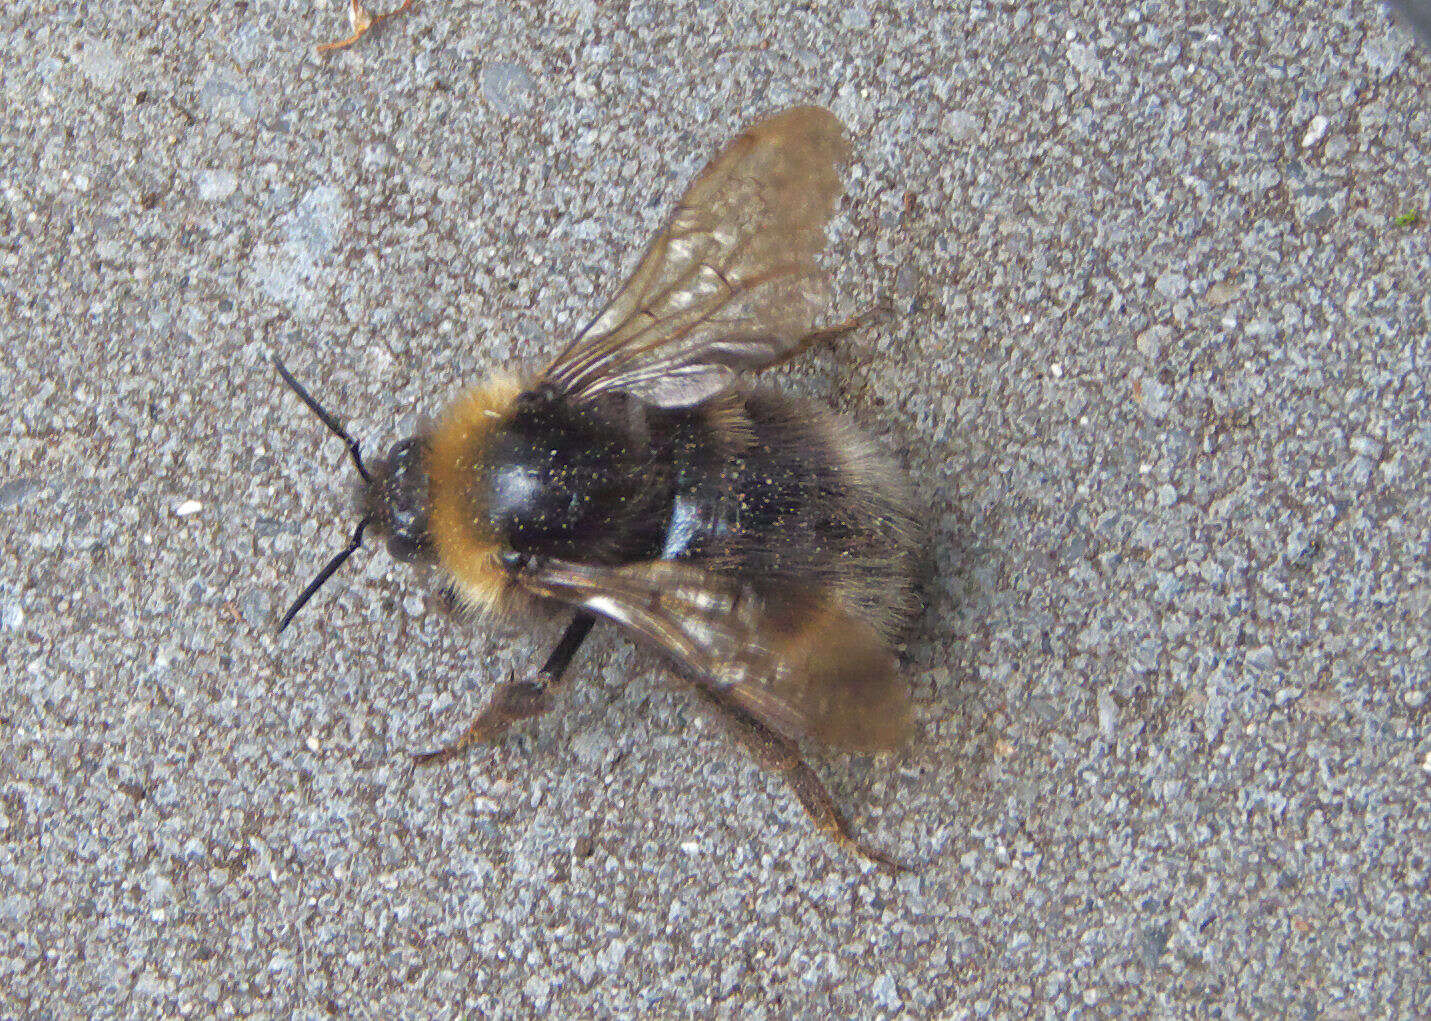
(731, 283)
(794, 659)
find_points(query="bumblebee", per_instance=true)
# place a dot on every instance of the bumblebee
(759, 540)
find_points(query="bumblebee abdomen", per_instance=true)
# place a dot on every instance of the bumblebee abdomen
(805, 499)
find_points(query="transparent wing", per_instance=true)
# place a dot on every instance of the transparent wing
(731, 283)
(796, 660)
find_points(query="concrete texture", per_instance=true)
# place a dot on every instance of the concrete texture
(1159, 372)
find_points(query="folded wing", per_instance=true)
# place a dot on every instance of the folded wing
(795, 659)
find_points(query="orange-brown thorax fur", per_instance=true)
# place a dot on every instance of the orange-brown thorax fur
(465, 544)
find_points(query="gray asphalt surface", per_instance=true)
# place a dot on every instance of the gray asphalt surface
(1159, 372)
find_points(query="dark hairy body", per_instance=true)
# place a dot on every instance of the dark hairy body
(783, 512)
(760, 486)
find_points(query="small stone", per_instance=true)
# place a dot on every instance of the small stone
(1316, 131)
(312, 231)
(17, 491)
(906, 281)
(616, 952)
(1220, 293)
(255, 607)
(856, 17)
(101, 64)
(1084, 59)
(216, 185)
(188, 508)
(886, 992)
(1150, 342)
(1167, 495)
(1155, 943)
(1367, 446)
(591, 747)
(507, 87)
(1414, 698)
(1260, 659)
(960, 126)
(1171, 285)
(161, 890)
(1384, 53)
(228, 98)
(1107, 713)
(1155, 399)
(111, 252)
(314, 227)
(1313, 201)
(538, 989)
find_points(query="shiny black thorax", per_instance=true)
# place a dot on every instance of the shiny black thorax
(590, 482)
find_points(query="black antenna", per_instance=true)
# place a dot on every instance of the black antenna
(324, 575)
(332, 423)
(337, 430)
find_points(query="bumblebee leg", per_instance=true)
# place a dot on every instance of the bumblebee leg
(782, 755)
(517, 700)
(828, 333)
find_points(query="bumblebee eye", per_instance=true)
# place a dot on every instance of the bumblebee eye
(405, 549)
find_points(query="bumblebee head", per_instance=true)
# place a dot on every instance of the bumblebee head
(392, 498)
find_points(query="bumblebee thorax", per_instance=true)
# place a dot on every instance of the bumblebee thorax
(523, 470)
(555, 477)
